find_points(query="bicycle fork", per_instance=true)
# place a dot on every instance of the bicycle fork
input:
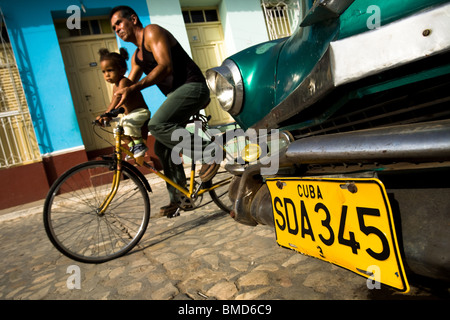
(116, 178)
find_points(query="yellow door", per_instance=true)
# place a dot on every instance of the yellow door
(207, 46)
(90, 92)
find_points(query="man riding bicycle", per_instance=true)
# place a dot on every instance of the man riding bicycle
(160, 56)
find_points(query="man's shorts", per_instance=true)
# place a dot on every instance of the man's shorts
(133, 122)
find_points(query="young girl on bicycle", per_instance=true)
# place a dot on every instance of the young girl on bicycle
(114, 67)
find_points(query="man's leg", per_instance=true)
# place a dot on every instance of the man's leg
(174, 172)
(179, 106)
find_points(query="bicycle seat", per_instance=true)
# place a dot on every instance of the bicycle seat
(198, 116)
(206, 104)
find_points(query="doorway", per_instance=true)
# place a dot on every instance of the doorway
(91, 94)
(208, 50)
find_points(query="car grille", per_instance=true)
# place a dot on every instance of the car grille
(422, 101)
(419, 106)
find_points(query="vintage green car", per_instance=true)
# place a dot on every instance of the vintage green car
(354, 109)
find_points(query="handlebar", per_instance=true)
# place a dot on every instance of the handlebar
(112, 114)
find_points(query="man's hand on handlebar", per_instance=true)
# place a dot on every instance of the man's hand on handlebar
(102, 121)
(105, 118)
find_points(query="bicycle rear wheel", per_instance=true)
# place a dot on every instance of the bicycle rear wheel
(220, 194)
(71, 217)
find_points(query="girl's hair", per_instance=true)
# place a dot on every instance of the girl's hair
(120, 60)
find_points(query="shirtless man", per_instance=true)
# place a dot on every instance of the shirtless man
(167, 65)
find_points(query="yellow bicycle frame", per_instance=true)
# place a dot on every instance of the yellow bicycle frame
(118, 134)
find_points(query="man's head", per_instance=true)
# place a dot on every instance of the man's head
(124, 20)
(125, 12)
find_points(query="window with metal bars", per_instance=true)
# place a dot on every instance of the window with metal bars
(18, 144)
(281, 17)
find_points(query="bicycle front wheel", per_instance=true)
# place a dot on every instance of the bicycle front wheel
(73, 223)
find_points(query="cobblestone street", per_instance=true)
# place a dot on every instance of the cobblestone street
(201, 255)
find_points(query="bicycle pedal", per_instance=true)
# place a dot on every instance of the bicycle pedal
(175, 214)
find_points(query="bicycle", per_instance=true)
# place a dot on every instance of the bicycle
(100, 209)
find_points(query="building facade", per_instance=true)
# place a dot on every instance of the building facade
(51, 86)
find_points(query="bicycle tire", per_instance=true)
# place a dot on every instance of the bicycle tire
(70, 212)
(220, 195)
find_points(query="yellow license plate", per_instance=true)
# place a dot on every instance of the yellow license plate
(346, 222)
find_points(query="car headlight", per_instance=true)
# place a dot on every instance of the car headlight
(226, 83)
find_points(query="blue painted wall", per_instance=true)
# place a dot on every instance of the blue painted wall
(35, 44)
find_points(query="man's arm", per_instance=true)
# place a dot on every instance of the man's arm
(158, 41)
(136, 72)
